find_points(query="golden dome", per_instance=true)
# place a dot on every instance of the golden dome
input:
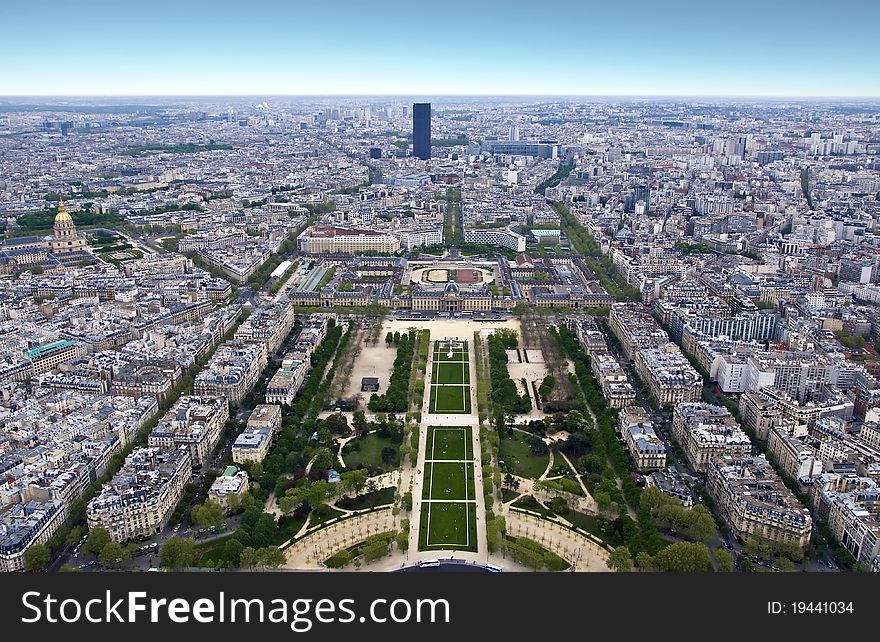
(63, 216)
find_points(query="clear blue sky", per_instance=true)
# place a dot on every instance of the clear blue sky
(434, 47)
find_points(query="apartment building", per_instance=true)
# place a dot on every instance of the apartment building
(233, 483)
(635, 328)
(754, 501)
(232, 371)
(410, 239)
(646, 448)
(668, 374)
(851, 505)
(141, 380)
(193, 422)
(269, 324)
(790, 447)
(286, 381)
(326, 239)
(26, 524)
(613, 382)
(706, 432)
(764, 408)
(254, 442)
(50, 355)
(139, 500)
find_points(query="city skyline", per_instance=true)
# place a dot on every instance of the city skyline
(224, 49)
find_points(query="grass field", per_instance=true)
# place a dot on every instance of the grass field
(366, 452)
(448, 517)
(451, 372)
(449, 442)
(448, 480)
(450, 380)
(448, 525)
(450, 400)
(518, 457)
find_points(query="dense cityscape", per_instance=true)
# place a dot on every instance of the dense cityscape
(368, 333)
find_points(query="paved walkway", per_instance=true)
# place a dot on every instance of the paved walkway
(584, 504)
(583, 553)
(311, 551)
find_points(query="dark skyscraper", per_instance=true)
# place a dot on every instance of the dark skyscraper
(422, 130)
(642, 193)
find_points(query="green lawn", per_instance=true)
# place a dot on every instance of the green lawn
(211, 552)
(518, 457)
(448, 525)
(507, 495)
(366, 452)
(368, 500)
(451, 373)
(449, 442)
(450, 399)
(448, 480)
(527, 502)
(323, 514)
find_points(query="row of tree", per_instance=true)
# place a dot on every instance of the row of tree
(505, 398)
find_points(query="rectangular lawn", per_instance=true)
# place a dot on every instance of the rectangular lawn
(448, 480)
(450, 399)
(451, 373)
(448, 525)
(449, 442)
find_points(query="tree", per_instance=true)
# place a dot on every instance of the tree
(684, 557)
(36, 557)
(644, 561)
(784, 564)
(232, 551)
(249, 558)
(758, 547)
(723, 560)
(234, 503)
(355, 479)
(620, 560)
(272, 557)
(389, 454)
(178, 552)
(511, 482)
(701, 526)
(74, 535)
(208, 514)
(265, 557)
(559, 506)
(396, 337)
(323, 460)
(389, 339)
(359, 420)
(114, 555)
(402, 540)
(98, 539)
(539, 446)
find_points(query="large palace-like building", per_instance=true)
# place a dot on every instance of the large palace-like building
(65, 247)
(455, 284)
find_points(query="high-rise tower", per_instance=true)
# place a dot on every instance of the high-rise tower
(422, 130)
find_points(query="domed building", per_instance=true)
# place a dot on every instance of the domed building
(66, 239)
(64, 248)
